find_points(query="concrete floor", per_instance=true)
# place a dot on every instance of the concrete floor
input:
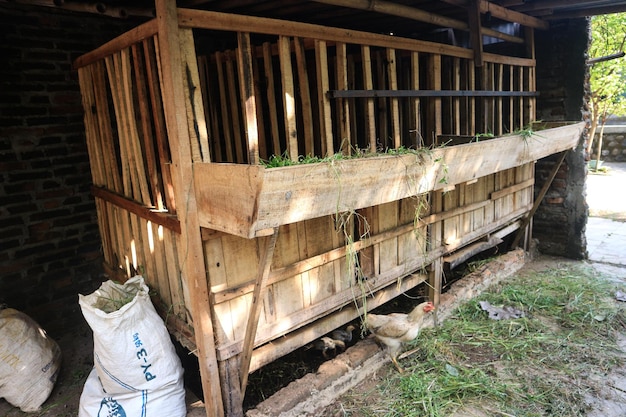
(606, 227)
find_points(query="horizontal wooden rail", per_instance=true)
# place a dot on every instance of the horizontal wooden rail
(124, 41)
(164, 219)
(202, 19)
(428, 93)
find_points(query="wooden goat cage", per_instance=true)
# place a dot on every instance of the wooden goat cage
(252, 262)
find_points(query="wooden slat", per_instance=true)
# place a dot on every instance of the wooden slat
(323, 83)
(195, 107)
(271, 97)
(158, 117)
(368, 84)
(415, 118)
(226, 124)
(343, 107)
(434, 104)
(248, 97)
(304, 94)
(289, 104)
(234, 116)
(155, 183)
(395, 105)
(456, 102)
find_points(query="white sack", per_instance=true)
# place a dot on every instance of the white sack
(163, 402)
(134, 358)
(29, 361)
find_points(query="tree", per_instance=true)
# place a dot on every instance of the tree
(607, 70)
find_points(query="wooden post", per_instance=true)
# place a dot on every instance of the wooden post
(267, 253)
(189, 246)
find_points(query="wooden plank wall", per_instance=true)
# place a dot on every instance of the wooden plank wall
(130, 163)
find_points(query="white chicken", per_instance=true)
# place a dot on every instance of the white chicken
(396, 328)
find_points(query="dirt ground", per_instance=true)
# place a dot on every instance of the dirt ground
(77, 346)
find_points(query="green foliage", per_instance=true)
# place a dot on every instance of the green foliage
(607, 78)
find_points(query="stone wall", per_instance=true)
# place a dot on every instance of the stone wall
(613, 144)
(560, 222)
(49, 233)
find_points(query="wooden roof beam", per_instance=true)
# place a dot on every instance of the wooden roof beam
(476, 36)
(594, 11)
(503, 13)
(395, 9)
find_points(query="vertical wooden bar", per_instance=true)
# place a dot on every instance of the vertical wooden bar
(521, 99)
(435, 235)
(472, 101)
(511, 124)
(248, 98)
(226, 127)
(343, 104)
(381, 103)
(304, 94)
(395, 104)
(289, 103)
(499, 108)
(190, 252)
(235, 108)
(434, 104)
(154, 179)
(259, 103)
(158, 117)
(368, 84)
(195, 107)
(271, 97)
(416, 125)
(456, 101)
(326, 122)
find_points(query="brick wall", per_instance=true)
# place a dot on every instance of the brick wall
(48, 228)
(561, 219)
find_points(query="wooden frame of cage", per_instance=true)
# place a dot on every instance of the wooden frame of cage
(232, 246)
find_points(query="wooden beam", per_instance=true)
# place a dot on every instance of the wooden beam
(164, 219)
(407, 12)
(503, 13)
(133, 36)
(476, 32)
(189, 246)
(241, 23)
(267, 253)
(428, 93)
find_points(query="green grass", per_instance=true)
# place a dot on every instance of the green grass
(533, 366)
